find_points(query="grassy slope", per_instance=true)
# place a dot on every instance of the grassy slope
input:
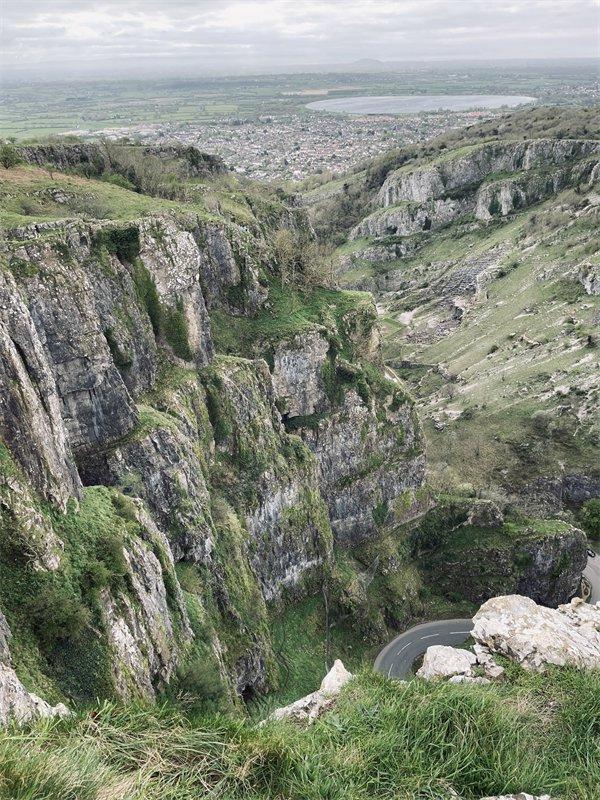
(29, 194)
(512, 348)
(384, 739)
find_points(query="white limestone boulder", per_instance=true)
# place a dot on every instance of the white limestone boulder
(441, 661)
(308, 708)
(535, 636)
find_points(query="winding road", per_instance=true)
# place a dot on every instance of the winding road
(396, 658)
(592, 574)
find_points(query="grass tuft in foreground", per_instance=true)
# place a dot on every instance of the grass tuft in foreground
(407, 741)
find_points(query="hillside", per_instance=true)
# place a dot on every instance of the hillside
(209, 484)
(213, 483)
(527, 729)
(483, 258)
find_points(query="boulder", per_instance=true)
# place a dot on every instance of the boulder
(536, 636)
(308, 708)
(520, 796)
(441, 661)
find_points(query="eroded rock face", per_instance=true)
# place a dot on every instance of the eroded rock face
(34, 533)
(370, 466)
(162, 467)
(100, 157)
(423, 198)
(472, 167)
(535, 636)
(19, 705)
(96, 406)
(308, 708)
(282, 508)
(96, 391)
(298, 374)
(146, 628)
(174, 260)
(542, 580)
(30, 411)
(367, 443)
(16, 703)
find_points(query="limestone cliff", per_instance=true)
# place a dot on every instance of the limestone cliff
(193, 429)
(156, 495)
(483, 180)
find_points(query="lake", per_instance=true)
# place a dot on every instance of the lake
(412, 104)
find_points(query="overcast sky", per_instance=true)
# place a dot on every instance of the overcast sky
(77, 37)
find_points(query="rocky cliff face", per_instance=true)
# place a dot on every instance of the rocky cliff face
(137, 461)
(467, 548)
(361, 427)
(186, 440)
(487, 180)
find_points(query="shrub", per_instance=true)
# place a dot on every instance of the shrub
(9, 157)
(590, 518)
(176, 331)
(200, 686)
(121, 359)
(213, 385)
(122, 242)
(147, 294)
(57, 614)
(380, 513)
(494, 207)
(31, 207)
(119, 180)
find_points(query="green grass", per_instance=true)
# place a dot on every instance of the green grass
(290, 311)
(27, 196)
(382, 740)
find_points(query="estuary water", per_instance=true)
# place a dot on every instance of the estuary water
(412, 104)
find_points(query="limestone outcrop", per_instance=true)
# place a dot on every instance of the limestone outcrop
(16, 703)
(486, 180)
(517, 628)
(444, 662)
(535, 636)
(308, 708)
(467, 546)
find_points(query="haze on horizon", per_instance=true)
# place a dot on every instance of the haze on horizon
(57, 39)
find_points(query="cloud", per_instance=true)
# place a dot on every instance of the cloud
(53, 35)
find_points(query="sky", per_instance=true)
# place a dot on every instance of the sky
(71, 38)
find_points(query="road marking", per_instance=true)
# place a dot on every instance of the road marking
(461, 632)
(403, 648)
(430, 636)
(390, 671)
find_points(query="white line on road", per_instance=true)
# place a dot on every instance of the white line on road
(403, 648)
(430, 636)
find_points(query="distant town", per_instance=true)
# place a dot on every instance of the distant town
(294, 146)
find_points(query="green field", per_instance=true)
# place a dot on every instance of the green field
(38, 109)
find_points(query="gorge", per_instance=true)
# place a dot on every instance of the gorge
(217, 437)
